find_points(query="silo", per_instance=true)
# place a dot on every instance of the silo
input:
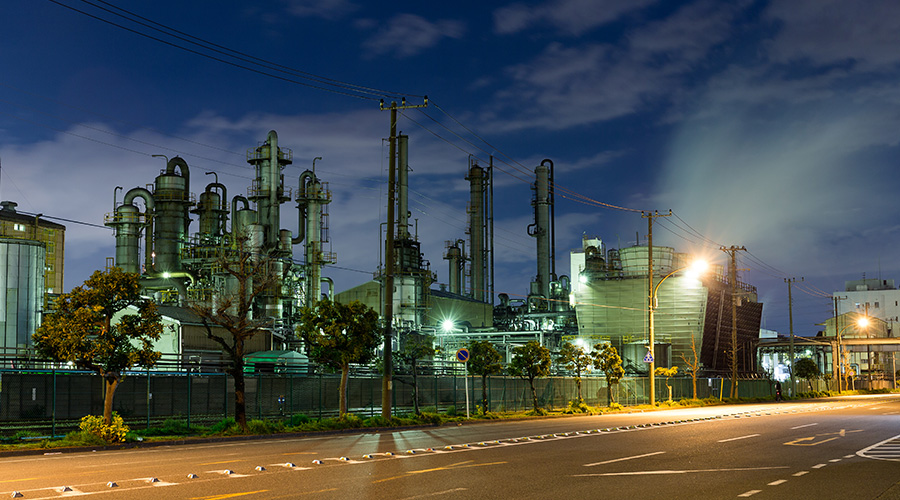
(21, 291)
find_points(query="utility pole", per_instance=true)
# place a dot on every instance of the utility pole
(732, 276)
(387, 378)
(791, 325)
(836, 349)
(652, 300)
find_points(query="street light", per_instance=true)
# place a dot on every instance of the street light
(838, 354)
(695, 269)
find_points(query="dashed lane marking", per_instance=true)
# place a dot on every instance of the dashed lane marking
(776, 483)
(624, 458)
(749, 493)
(737, 438)
(801, 473)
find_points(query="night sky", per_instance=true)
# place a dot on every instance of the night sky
(770, 125)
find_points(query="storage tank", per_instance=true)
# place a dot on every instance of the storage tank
(170, 225)
(21, 291)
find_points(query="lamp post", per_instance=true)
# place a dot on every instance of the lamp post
(697, 267)
(838, 354)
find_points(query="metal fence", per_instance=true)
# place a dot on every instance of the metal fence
(52, 401)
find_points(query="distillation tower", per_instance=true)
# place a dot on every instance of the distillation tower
(178, 266)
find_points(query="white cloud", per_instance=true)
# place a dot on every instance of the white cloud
(327, 9)
(570, 86)
(573, 17)
(408, 34)
(834, 31)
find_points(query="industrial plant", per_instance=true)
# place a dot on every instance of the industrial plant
(604, 299)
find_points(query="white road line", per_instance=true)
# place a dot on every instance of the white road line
(436, 493)
(735, 439)
(669, 471)
(749, 493)
(849, 456)
(776, 483)
(834, 460)
(801, 473)
(624, 458)
(818, 466)
(802, 426)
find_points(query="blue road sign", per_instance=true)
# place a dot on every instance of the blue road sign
(462, 355)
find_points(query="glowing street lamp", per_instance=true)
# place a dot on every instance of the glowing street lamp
(861, 322)
(697, 268)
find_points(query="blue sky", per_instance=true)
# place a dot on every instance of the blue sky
(766, 124)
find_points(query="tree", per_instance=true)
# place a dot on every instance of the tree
(80, 329)
(337, 335)
(252, 277)
(416, 346)
(808, 369)
(608, 361)
(484, 360)
(529, 362)
(667, 372)
(693, 366)
(575, 360)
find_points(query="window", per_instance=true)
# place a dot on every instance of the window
(876, 305)
(19, 227)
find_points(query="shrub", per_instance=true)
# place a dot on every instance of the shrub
(578, 406)
(298, 419)
(222, 425)
(616, 406)
(113, 433)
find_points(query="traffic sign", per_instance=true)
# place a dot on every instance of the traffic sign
(462, 355)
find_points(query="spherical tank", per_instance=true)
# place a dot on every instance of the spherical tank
(21, 291)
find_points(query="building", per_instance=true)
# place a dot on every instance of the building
(31, 269)
(611, 293)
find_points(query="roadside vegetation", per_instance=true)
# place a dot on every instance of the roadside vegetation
(93, 433)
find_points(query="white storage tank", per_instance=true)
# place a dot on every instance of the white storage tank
(21, 292)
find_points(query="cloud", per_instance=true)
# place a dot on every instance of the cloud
(408, 34)
(571, 86)
(823, 32)
(326, 9)
(572, 17)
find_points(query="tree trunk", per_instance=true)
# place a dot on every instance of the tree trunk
(534, 400)
(345, 372)
(484, 400)
(694, 381)
(608, 393)
(578, 386)
(240, 404)
(415, 388)
(112, 381)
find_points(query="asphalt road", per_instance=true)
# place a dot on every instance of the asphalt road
(846, 448)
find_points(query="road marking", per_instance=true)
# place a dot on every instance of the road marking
(735, 439)
(25, 479)
(801, 473)
(802, 426)
(663, 472)
(749, 493)
(818, 466)
(817, 439)
(849, 456)
(224, 462)
(624, 458)
(436, 493)
(776, 483)
(229, 495)
(300, 453)
(884, 450)
(835, 460)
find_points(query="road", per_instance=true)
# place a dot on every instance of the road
(843, 448)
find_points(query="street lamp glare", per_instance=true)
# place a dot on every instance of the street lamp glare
(697, 268)
(447, 325)
(863, 322)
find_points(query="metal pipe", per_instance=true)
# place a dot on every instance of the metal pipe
(403, 184)
(272, 219)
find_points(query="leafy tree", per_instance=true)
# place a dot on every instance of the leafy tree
(529, 362)
(415, 346)
(484, 360)
(667, 372)
(608, 361)
(808, 369)
(337, 335)
(576, 360)
(232, 310)
(693, 365)
(80, 330)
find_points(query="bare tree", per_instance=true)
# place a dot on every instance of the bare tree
(250, 277)
(693, 365)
